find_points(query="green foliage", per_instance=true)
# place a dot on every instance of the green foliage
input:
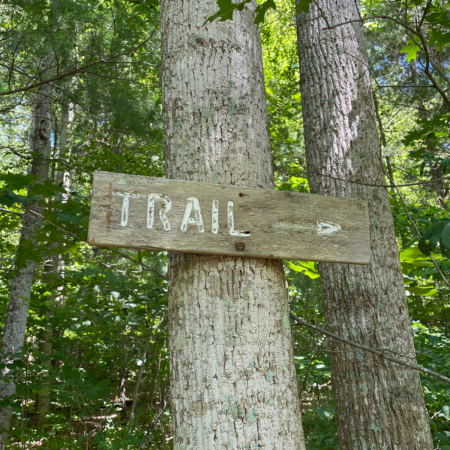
(411, 49)
(309, 268)
(303, 6)
(436, 237)
(226, 10)
(262, 9)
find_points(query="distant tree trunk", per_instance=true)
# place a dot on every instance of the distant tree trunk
(45, 346)
(123, 393)
(20, 291)
(379, 405)
(63, 175)
(233, 380)
(53, 269)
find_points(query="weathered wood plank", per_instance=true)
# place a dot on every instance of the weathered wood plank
(184, 216)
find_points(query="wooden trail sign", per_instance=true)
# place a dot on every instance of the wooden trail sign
(185, 216)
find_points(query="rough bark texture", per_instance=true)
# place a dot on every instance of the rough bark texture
(379, 405)
(54, 266)
(17, 313)
(233, 381)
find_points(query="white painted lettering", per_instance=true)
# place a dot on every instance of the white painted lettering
(192, 203)
(162, 212)
(125, 206)
(215, 216)
(324, 227)
(231, 229)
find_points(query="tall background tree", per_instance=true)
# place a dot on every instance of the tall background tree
(378, 404)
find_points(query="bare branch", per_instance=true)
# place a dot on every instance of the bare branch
(76, 70)
(382, 353)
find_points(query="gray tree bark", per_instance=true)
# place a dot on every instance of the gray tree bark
(233, 381)
(379, 405)
(53, 266)
(20, 291)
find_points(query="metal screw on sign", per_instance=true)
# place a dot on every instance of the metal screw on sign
(239, 246)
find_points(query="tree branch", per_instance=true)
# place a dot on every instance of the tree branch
(381, 353)
(154, 422)
(424, 48)
(76, 70)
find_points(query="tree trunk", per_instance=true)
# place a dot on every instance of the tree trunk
(233, 380)
(20, 291)
(53, 268)
(379, 405)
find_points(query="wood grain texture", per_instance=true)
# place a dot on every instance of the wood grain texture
(282, 224)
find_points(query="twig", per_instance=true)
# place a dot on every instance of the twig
(139, 376)
(68, 233)
(305, 379)
(77, 69)
(381, 353)
(137, 262)
(382, 86)
(70, 428)
(420, 235)
(425, 11)
(154, 422)
(370, 184)
(425, 49)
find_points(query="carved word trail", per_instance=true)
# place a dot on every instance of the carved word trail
(131, 211)
(193, 215)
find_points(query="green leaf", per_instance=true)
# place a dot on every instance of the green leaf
(423, 291)
(226, 10)
(444, 238)
(27, 252)
(429, 240)
(64, 216)
(410, 253)
(411, 49)
(100, 436)
(46, 189)
(303, 6)
(9, 198)
(309, 268)
(440, 38)
(100, 391)
(16, 182)
(261, 10)
(446, 411)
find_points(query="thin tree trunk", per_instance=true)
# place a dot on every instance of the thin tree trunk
(63, 176)
(43, 399)
(20, 291)
(233, 380)
(45, 347)
(379, 405)
(139, 378)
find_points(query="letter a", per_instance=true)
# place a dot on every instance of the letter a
(192, 203)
